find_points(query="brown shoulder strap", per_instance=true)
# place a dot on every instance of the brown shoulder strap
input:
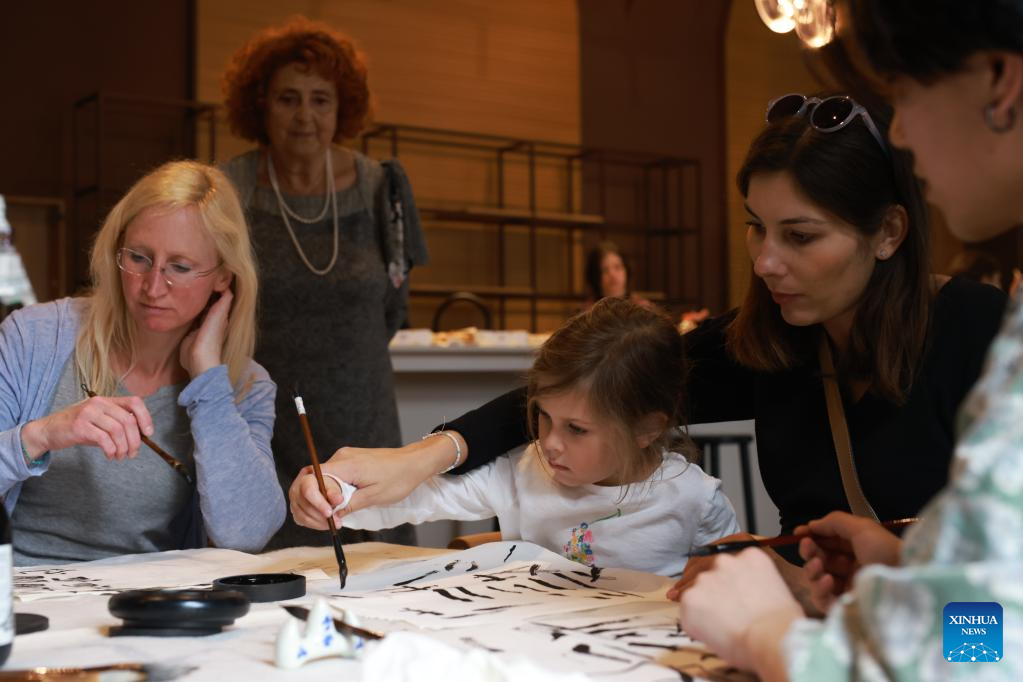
(840, 435)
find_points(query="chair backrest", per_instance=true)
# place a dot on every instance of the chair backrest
(462, 296)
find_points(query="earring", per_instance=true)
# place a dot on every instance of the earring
(882, 254)
(989, 118)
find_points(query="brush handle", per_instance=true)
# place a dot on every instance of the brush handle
(779, 540)
(338, 550)
(175, 464)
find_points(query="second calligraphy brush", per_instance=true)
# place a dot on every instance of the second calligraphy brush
(777, 541)
(164, 455)
(339, 551)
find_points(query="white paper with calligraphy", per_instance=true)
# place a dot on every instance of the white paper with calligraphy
(192, 569)
(499, 582)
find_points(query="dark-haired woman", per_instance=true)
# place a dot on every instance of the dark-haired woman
(955, 77)
(607, 273)
(838, 238)
(335, 233)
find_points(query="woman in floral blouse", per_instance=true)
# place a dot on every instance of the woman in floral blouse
(954, 72)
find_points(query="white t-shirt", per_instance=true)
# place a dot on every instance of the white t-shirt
(650, 527)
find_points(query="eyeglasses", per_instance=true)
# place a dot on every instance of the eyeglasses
(826, 115)
(175, 274)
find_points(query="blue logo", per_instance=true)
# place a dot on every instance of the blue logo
(972, 631)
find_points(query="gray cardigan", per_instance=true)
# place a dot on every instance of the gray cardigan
(240, 500)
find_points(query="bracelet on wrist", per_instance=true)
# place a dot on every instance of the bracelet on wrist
(458, 447)
(38, 461)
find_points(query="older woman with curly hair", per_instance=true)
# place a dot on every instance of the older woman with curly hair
(335, 233)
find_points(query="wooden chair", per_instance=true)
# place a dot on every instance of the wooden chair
(474, 539)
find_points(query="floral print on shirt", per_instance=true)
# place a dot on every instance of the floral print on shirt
(580, 543)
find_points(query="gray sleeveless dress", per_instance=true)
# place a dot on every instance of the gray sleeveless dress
(328, 335)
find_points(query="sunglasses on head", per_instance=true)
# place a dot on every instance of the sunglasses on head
(826, 115)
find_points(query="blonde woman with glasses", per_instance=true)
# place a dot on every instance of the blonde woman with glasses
(156, 360)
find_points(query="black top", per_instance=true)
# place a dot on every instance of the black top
(902, 453)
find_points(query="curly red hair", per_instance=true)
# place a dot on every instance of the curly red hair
(312, 43)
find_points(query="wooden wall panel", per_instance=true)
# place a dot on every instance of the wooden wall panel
(473, 65)
(509, 69)
(652, 75)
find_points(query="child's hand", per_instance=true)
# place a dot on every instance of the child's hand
(308, 506)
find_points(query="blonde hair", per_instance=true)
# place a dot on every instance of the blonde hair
(630, 362)
(108, 328)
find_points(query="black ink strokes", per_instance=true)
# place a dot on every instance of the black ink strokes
(595, 572)
(475, 643)
(536, 589)
(472, 567)
(423, 612)
(493, 577)
(450, 566)
(589, 627)
(469, 592)
(412, 580)
(510, 552)
(444, 593)
(585, 649)
(486, 609)
(653, 645)
(572, 580)
(533, 569)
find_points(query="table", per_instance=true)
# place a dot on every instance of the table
(78, 610)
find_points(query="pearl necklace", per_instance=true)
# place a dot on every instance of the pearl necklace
(330, 199)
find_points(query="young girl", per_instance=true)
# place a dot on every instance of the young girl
(603, 481)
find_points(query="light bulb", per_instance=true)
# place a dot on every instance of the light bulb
(815, 22)
(777, 14)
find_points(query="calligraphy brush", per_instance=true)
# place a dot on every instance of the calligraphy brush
(339, 551)
(174, 463)
(778, 541)
(302, 613)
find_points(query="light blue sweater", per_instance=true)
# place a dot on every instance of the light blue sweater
(240, 499)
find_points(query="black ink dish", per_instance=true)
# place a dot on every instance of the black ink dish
(175, 613)
(263, 587)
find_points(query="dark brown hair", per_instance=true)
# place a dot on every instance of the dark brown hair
(630, 363)
(849, 175)
(928, 40)
(316, 46)
(594, 262)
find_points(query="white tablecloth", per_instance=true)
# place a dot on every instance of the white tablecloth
(74, 598)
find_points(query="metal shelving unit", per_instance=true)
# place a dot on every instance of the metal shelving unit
(650, 204)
